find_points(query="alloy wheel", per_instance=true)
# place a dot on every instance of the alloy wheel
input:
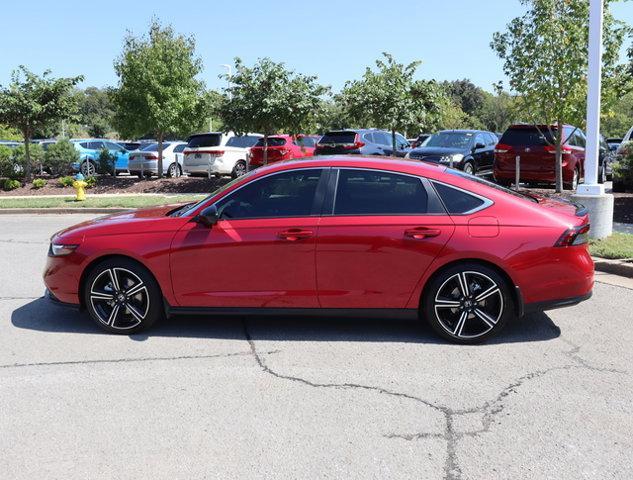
(468, 305)
(174, 171)
(469, 168)
(88, 169)
(240, 169)
(119, 298)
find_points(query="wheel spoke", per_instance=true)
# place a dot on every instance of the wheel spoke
(135, 289)
(101, 296)
(135, 313)
(463, 284)
(439, 303)
(113, 314)
(460, 324)
(488, 320)
(491, 291)
(114, 279)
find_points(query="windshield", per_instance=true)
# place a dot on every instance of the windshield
(187, 209)
(450, 140)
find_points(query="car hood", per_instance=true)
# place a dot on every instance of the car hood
(439, 151)
(146, 220)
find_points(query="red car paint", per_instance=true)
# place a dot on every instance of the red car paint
(280, 147)
(338, 261)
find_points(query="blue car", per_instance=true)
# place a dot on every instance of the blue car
(89, 150)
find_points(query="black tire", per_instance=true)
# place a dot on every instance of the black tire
(602, 173)
(174, 170)
(88, 168)
(136, 310)
(470, 168)
(239, 169)
(573, 185)
(469, 321)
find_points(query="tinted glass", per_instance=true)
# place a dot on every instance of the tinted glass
(450, 140)
(289, 194)
(527, 136)
(84, 144)
(457, 201)
(479, 138)
(492, 139)
(245, 141)
(401, 141)
(272, 142)
(366, 192)
(338, 137)
(95, 145)
(382, 138)
(207, 140)
(481, 181)
(305, 142)
(368, 137)
(180, 148)
(153, 147)
(113, 146)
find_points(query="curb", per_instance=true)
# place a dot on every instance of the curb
(54, 211)
(614, 267)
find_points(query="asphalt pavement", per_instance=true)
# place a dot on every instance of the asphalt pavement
(551, 398)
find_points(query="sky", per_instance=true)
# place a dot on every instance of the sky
(334, 40)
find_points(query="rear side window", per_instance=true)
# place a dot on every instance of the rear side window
(153, 147)
(208, 140)
(382, 138)
(84, 144)
(527, 136)
(272, 142)
(366, 192)
(95, 145)
(457, 201)
(305, 141)
(338, 137)
(492, 139)
(179, 148)
(244, 141)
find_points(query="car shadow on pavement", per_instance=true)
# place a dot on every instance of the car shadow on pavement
(41, 315)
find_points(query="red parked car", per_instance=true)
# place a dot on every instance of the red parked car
(282, 147)
(332, 236)
(535, 146)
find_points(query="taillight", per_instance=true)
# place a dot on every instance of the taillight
(574, 236)
(565, 150)
(354, 146)
(503, 148)
(216, 153)
(151, 157)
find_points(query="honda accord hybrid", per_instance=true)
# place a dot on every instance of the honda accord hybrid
(332, 236)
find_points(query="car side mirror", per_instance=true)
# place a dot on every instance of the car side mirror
(479, 145)
(208, 217)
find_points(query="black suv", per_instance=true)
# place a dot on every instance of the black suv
(361, 142)
(472, 151)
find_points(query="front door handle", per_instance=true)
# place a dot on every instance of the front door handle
(294, 234)
(420, 233)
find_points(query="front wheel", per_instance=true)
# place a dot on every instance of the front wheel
(573, 185)
(122, 296)
(88, 168)
(239, 169)
(467, 303)
(602, 173)
(469, 168)
(173, 171)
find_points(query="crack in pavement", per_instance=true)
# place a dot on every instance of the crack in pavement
(21, 298)
(489, 409)
(130, 360)
(24, 242)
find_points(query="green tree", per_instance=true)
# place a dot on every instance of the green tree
(467, 95)
(96, 110)
(33, 102)
(498, 111)
(158, 90)
(391, 99)
(268, 98)
(619, 120)
(59, 156)
(9, 133)
(545, 57)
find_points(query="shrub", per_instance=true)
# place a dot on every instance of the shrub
(19, 159)
(66, 181)
(39, 183)
(6, 161)
(105, 163)
(10, 184)
(91, 182)
(623, 168)
(60, 156)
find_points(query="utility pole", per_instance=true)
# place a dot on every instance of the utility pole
(592, 194)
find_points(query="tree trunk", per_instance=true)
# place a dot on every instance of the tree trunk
(559, 157)
(161, 137)
(27, 156)
(265, 149)
(393, 142)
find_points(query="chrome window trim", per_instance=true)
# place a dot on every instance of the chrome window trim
(487, 202)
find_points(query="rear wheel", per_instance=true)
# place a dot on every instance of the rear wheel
(174, 170)
(122, 296)
(602, 173)
(239, 169)
(88, 168)
(573, 185)
(468, 303)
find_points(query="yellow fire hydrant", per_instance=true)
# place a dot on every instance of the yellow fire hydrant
(80, 187)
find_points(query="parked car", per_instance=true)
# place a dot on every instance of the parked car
(343, 235)
(89, 151)
(10, 143)
(614, 143)
(361, 142)
(282, 147)
(144, 162)
(218, 153)
(469, 150)
(131, 146)
(419, 141)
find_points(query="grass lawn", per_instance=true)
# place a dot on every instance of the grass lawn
(618, 245)
(96, 201)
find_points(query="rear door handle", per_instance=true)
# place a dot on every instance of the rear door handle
(420, 233)
(294, 234)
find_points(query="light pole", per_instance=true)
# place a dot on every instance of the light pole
(229, 72)
(591, 194)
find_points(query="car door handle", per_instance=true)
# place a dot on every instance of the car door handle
(420, 233)
(294, 234)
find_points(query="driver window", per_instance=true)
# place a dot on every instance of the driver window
(288, 194)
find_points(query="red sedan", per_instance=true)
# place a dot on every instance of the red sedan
(282, 147)
(332, 236)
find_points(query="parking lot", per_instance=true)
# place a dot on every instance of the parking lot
(551, 397)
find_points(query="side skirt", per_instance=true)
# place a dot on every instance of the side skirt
(395, 313)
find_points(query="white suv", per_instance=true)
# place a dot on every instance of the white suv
(218, 153)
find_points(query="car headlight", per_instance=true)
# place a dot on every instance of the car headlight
(60, 250)
(456, 158)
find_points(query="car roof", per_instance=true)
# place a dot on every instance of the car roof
(463, 130)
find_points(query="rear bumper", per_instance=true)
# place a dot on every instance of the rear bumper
(553, 304)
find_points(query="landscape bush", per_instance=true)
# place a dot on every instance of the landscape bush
(623, 168)
(19, 159)
(105, 163)
(39, 183)
(60, 156)
(91, 182)
(66, 181)
(6, 162)
(10, 184)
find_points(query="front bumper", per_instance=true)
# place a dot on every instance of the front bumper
(53, 299)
